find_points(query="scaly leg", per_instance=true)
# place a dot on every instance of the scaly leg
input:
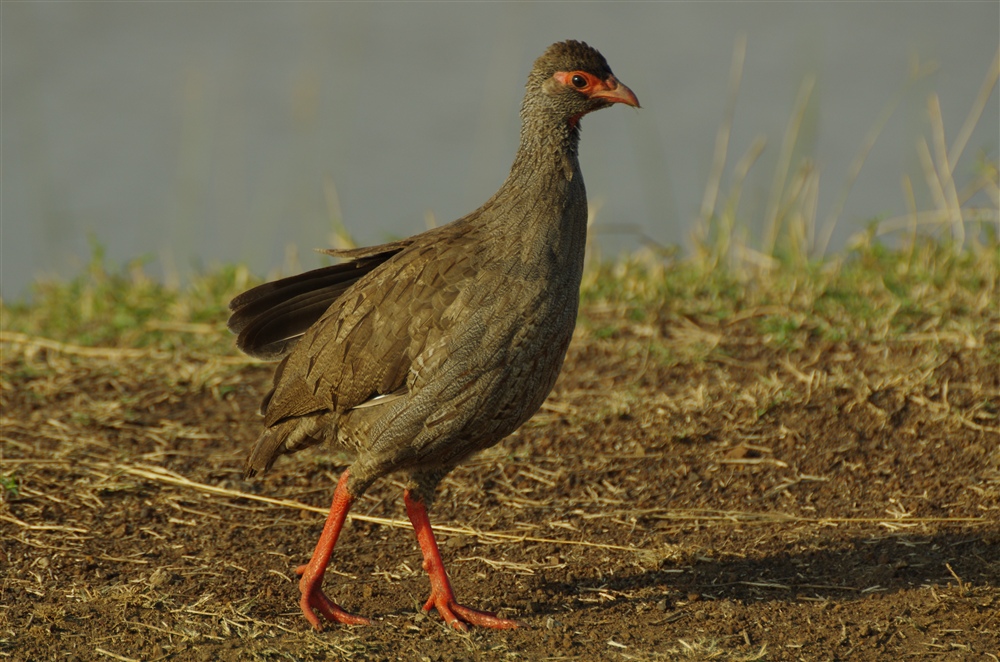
(442, 598)
(311, 584)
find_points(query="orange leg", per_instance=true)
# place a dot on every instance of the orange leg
(442, 598)
(311, 584)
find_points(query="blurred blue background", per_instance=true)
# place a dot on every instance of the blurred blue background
(203, 133)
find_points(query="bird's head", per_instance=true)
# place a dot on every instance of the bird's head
(573, 79)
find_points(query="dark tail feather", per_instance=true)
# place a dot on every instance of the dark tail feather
(271, 317)
(258, 300)
(272, 333)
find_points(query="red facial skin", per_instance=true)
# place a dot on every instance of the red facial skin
(609, 89)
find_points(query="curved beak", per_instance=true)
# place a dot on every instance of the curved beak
(615, 92)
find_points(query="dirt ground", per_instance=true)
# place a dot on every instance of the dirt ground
(689, 491)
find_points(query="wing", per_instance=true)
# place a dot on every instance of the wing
(363, 345)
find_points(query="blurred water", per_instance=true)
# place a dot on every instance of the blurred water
(202, 133)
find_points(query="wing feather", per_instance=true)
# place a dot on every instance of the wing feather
(363, 345)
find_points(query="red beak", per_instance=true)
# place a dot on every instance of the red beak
(616, 92)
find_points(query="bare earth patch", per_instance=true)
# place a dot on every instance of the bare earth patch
(689, 491)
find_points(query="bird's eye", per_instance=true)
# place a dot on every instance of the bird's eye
(579, 82)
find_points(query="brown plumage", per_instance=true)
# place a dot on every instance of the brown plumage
(418, 353)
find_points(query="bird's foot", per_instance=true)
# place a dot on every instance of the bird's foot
(458, 616)
(313, 598)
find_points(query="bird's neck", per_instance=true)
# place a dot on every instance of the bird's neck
(543, 201)
(547, 151)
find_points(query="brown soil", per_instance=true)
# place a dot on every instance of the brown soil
(688, 492)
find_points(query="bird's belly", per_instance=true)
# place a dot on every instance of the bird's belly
(474, 396)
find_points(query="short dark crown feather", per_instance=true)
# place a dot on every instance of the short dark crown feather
(570, 55)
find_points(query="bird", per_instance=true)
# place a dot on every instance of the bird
(415, 354)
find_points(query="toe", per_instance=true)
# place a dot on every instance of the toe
(483, 619)
(460, 617)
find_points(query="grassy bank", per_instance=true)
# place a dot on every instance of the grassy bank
(872, 292)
